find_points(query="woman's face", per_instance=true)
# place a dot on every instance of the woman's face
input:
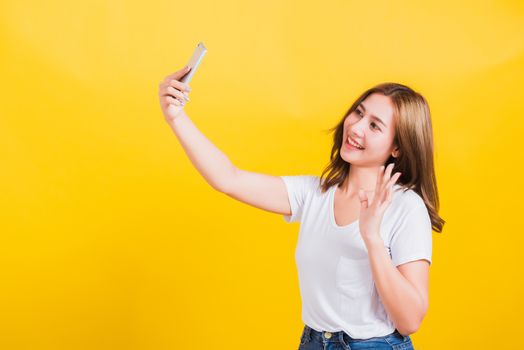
(375, 135)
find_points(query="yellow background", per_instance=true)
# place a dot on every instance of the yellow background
(111, 239)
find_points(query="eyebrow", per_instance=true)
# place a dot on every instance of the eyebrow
(373, 116)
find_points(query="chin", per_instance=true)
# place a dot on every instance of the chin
(347, 158)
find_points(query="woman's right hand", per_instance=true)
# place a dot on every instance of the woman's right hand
(173, 94)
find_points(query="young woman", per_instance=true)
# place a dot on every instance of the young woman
(365, 240)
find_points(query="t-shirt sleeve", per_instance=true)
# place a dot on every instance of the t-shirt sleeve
(298, 186)
(412, 238)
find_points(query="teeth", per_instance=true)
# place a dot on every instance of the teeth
(354, 143)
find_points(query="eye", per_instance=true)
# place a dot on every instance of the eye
(374, 126)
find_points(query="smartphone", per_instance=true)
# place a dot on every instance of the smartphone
(194, 62)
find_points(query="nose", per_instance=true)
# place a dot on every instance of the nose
(357, 128)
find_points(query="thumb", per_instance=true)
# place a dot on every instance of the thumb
(363, 198)
(180, 73)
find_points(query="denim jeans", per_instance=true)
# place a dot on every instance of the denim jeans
(314, 340)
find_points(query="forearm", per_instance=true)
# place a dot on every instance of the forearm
(211, 163)
(403, 303)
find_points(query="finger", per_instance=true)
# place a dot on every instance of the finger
(384, 178)
(176, 93)
(381, 197)
(179, 73)
(389, 187)
(381, 183)
(387, 175)
(362, 196)
(387, 199)
(390, 194)
(379, 178)
(171, 100)
(393, 179)
(179, 85)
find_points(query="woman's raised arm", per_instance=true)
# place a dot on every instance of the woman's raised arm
(259, 190)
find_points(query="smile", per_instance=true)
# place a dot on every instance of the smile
(352, 144)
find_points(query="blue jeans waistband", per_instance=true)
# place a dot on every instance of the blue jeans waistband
(339, 336)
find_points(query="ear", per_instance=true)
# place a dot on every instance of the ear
(395, 152)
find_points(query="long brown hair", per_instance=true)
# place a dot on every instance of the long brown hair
(414, 139)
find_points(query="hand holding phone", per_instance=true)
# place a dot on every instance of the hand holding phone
(173, 92)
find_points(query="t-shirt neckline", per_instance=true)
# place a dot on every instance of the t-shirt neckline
(332, 212)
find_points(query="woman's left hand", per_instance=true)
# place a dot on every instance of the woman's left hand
(371, 213)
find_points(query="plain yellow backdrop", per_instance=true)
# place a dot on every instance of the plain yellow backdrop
(111, 239)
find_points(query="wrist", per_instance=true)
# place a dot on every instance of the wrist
(374, 241)
(173, 120)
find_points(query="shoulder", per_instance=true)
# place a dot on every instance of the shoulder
(408, 220)
(405, 200)
(305, 181)
(302, 185)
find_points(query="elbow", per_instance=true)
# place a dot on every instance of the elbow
(225, 184)
(219, 187)
(411, 327)
(407, 330)
(222, 185)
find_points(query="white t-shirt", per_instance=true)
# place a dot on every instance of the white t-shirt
(335, 279)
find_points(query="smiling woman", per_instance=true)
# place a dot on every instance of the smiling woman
(363, 270)
(361, 241)
(392, 124)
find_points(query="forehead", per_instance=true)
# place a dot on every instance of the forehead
(380, 106)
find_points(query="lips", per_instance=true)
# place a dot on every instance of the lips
(353, 144)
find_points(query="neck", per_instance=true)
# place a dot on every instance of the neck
(359, 177)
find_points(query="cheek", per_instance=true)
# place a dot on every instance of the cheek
(386, 143)
(378, 144)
